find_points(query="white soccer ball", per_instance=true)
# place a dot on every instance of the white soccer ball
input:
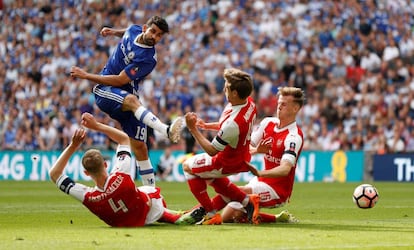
(365, 196)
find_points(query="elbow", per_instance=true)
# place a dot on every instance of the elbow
(210, 153)
(285, 172)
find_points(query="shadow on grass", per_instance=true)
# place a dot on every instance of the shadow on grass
(342, 227)
(302, 226)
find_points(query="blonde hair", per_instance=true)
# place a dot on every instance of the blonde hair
(93, 161)
(297, 94)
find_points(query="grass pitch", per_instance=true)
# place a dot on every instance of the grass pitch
(36, 215)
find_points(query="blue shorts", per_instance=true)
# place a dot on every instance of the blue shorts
(109, 99)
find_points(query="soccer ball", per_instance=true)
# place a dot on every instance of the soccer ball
(365, 196)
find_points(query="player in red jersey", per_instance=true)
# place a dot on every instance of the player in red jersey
(228, 153)
(280, 139)
(115, 199)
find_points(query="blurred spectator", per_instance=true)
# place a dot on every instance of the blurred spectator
(353, 58)
(48, 136)
(165, 165)
(9, 137)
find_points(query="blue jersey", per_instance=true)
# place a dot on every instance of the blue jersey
(138, 60)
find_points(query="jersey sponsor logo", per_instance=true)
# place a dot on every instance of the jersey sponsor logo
(128, 54)
(271, 158)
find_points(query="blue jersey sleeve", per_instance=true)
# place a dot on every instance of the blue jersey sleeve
(139, 70)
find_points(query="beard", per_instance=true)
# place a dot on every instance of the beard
(148, 41)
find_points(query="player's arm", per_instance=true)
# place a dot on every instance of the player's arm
(106, 31)
(281, 171)
(292, 146)
(58, 167)
(208, 126)
(191, 120)
(258, 132)
(114, 134)
(263, 147)
(111, 80)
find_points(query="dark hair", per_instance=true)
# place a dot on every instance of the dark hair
(240, 81)
(160, 22)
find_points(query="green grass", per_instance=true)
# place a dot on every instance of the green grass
(36, 215)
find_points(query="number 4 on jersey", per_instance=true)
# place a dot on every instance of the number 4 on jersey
(121, 206)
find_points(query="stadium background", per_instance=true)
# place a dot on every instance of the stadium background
(353, 59)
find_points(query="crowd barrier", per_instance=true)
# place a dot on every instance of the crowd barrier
(393, 167)
(313, 166)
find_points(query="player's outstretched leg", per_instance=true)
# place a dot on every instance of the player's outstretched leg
(252, 209)
(286, 217)
(191, 217)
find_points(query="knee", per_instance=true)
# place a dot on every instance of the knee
(186, 167)
(131, 102)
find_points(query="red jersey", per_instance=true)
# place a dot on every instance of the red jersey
(233, 138)
(120, 203)
(287, 145)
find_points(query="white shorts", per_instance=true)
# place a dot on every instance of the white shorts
(202, 166)
(157, 206)
(268, 197)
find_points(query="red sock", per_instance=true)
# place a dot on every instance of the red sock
(198, 187)
(226, 188)
(218, 202)
(267, 218)
(169, 217)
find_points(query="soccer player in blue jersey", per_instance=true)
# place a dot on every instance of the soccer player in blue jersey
(118, 83)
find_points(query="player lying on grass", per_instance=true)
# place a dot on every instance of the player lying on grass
(115, 199)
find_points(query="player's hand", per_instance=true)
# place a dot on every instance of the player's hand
(78, 72)
(78, 137)
(105, 31)
(200, 123)
(252, 169)
(191, 120)
(264, 146)
(89, 121)
(252, 150)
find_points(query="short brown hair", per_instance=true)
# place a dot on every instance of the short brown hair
(160, 22)
(93, 161)
(240, 81)
(297, 93)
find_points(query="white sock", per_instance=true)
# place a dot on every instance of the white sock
(151, 120)
(146, 171)
(246, 201)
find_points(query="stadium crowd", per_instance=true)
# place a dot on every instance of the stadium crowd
(353, 59)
